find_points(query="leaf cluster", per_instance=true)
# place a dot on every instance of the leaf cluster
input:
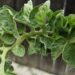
(50, 31)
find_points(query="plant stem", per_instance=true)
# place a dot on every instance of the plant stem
(26, 36)
(3, 57)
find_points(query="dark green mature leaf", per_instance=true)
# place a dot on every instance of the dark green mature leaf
(37, 47)
(41, 15)
(70, 23)
(7, 39)
(32, 16)
(7, 24)
(72, 37)
(8, 67)
(21, 28)
(69, 55)
(23, 15)
(55, 43)
(18, 50)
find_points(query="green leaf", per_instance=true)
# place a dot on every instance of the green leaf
(7, 24)
(37, 47)
(8, 67)
(69, 55)
(23, 15)
(46, 41)
(71, 20)
(57, 47)
(21, 28)
(34, 47)
(55, 43)
(18, 50)
(39, 14)
(1, 31)
(11, 11)
(54, 18)
(72, 37)
(32, 16)
(7, 39)
(59, 21)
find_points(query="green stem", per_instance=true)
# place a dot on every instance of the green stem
(3, 57)
(26, 36)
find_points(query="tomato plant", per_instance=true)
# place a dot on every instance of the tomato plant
(49, 30)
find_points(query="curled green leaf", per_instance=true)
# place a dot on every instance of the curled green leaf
(39, 14)
(69, 55)
(23, 15)
(18, 50)
(7, 24)
(7, 39)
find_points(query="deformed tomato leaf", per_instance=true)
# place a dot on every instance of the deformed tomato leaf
(7, 24)
(72, 37)
(71, 20)
(53, 19)
(57, 50)
(59, 21)
(7, 39)
(32, 16)
(34, 47)
(46, 41)
(18, 50)
(68, 55)
(8, 67)
(55, 44)
(39, 14)
(11, 11)
(37, 47)
(23, 15)
(1, 31)
(57, 47)
(21, 28)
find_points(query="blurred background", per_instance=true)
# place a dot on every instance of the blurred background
(17, 4)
